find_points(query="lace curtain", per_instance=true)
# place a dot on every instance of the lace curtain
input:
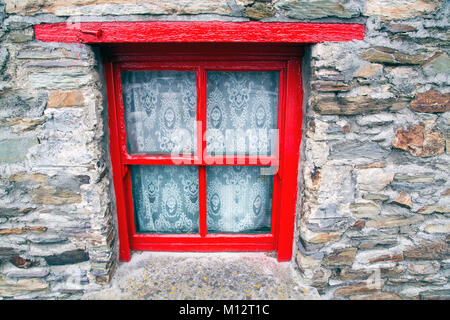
(160, 115)
(239, 199)
(160, 111)
(242, 112)
(165, 198)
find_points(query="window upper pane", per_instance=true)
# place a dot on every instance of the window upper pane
(160, 111)
(242, 110)
(165, 198)
(239, 199)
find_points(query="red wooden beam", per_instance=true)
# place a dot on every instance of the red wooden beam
(197, 31)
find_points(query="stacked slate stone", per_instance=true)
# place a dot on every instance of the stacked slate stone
(374, 221)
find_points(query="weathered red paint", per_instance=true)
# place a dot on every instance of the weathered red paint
(197, 31)
(289, 159)
(117, 168)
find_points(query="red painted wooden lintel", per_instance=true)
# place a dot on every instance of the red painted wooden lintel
(197, 31)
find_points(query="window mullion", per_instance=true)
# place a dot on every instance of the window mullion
(201, 147)
(202, 200)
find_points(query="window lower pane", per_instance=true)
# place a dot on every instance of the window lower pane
(165, 199)
(239, 199)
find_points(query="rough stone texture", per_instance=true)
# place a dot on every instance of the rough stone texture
(419, 141)
(314, 9)
(116, 7)
(431, 101)
(259, 10)
(438, 64)
(403, 200)
(435, 295)
(60, 99)
(394, 10)
(68, 257)
(373, 179)
(355, 289)
(13, 150)
(373, 205)
(342, 257)
(427, 250)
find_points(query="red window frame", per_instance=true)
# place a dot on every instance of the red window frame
(200, 58)
(221, 35)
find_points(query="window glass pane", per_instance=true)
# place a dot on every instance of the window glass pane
(239, 199)
(165, 198)
(160, 111)
(242, 112)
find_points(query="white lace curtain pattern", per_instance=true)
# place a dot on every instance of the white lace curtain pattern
(160, 111)
(160, 118)
(165, 198)
(241, 112)
(239, 199)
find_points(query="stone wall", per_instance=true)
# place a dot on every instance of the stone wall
(373, 206)
(57, 235)
(375, 210)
